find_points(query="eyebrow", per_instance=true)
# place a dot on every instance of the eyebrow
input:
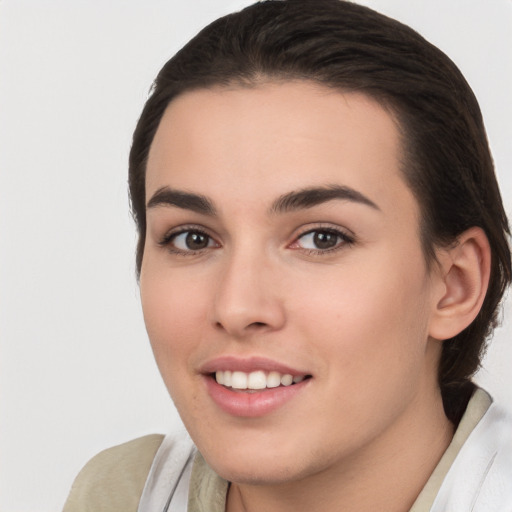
(309, 197)
(166, 196)
(292, 201)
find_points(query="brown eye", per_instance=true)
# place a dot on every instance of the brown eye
(323, 240)
(196, 241)
(190, 240)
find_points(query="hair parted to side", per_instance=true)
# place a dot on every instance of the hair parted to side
(342, 45)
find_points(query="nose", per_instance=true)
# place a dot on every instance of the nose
(247, 298)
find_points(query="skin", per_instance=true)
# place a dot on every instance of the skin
(358, 318)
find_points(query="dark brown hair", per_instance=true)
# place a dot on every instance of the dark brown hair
(342, 45)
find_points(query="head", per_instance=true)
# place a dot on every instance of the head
(445, 158)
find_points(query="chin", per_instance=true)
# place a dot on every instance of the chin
(257, 472)
(261, 461)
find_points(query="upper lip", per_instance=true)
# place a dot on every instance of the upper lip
(247, 365)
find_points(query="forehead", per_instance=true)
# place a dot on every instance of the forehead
(273, 138)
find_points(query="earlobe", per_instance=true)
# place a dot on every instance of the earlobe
(463, 278)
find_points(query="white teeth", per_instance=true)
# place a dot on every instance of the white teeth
(286, 379)
(256, 380)
(273, 380)
(239, 380)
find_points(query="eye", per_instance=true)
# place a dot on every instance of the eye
(188, 241)
(322, 240)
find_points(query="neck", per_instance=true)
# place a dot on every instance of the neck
(386, 475)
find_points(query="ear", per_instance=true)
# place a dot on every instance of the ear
(461, 284)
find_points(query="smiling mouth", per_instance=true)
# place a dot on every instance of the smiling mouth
(256, 380)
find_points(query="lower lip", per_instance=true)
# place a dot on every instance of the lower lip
(255, 403)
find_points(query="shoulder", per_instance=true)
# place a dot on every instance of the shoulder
(114, 479)
(479, 478)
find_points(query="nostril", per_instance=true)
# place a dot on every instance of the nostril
(247, 329)
(257, 324)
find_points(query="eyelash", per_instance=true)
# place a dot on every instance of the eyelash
(170, 237)
(343, 240)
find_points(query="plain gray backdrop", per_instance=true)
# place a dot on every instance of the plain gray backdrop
(76, 371)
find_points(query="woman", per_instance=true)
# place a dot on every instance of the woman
(322, 252)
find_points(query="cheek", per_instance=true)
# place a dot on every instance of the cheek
(370, 318)
(370, 335)
(174, 314)
(174, 319)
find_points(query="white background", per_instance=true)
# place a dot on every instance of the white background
(76, 371)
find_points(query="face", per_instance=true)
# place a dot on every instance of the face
(283, 284)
